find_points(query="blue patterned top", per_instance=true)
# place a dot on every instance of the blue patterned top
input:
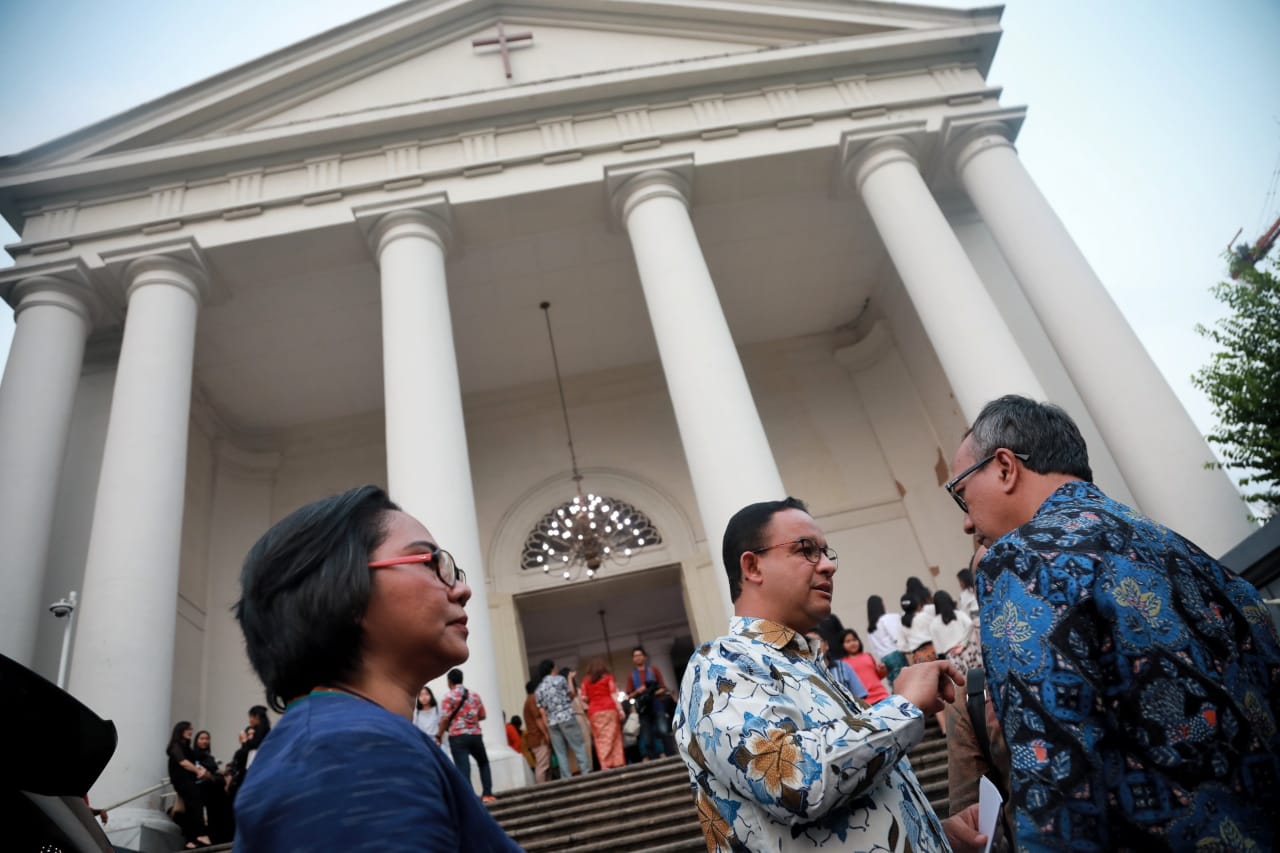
(341, 773)
(780, 758)
(1137, 683)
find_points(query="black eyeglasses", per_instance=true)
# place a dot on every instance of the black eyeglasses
(809, 549)
(441, 560)
(951, 484)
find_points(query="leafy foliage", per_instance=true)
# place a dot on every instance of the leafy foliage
(1242, 381)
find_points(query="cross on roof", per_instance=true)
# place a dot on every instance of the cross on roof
(502, 40)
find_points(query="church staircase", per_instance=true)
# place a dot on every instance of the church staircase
(646, 806)
(649, 806)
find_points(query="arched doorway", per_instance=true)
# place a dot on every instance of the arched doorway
(609, 616)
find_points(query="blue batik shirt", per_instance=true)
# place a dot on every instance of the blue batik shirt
(782, 759)
(1137, 683)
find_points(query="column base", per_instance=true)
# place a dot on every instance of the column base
(142, 829)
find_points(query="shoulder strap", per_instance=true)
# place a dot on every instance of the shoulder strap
(454, 713)
(976, 703)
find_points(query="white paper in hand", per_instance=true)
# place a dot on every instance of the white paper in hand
(989, 803)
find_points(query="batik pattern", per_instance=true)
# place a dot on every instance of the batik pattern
(1137, 682)
(781, 758)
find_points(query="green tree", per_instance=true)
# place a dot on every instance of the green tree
(1242, 381)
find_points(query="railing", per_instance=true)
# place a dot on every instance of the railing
(163, 783)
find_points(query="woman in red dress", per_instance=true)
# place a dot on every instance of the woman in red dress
(605, 714)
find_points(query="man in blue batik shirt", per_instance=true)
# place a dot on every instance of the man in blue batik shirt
(780, 757)
(1137, 681)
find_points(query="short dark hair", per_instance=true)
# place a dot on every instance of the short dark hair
(455, 676)
(966, 578)
(1044, 432)
(304, 590)
(743, 533)
(641, 650)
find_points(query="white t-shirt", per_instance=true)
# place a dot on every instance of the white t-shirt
(948, 635)
(884, 639)
(428, 719)
(917, 633)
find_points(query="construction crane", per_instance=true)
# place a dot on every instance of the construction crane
(1244, 255)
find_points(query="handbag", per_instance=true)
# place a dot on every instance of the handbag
(631, 730)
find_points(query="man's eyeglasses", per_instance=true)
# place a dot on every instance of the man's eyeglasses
(951, 484)
(809, 549)
(441, 560)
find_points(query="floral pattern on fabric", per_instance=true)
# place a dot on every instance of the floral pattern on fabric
(552, 695)
(1137, 683)
(781, 758)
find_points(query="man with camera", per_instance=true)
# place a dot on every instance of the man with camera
(650, 694)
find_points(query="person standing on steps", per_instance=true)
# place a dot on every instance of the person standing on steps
(461, 713)
(649, 691)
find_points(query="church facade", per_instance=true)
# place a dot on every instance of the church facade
(789, 249)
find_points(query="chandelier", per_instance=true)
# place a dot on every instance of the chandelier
(589, 530)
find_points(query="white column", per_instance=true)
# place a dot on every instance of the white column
(123, 666)
(36, 398)
(1159, 450)
(724, 441)
(978, 353)
(428, 465)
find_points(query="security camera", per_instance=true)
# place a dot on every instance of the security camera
(62, 607)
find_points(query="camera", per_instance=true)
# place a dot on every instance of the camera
(62, 607)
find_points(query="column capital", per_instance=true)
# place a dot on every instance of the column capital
(975, 139)
(427, 217)
(861, 159)
(628, 184)
(65, 284)
(179, 263)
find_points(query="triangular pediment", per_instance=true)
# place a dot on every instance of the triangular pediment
(422, 52)
(459, 67)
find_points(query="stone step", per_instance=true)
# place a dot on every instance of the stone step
(604, 833)
(607, 784)
(588, 811)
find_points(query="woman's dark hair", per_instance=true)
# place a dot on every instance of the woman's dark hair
(830, 630)
(417, 702)
(945, 605)
(875, 609)
(910, 604)
(966, 579)
(545, 668)
(304, 589)
(917, 590)
(743, 533)
(177, 737)
(849, 632)
(264, 722)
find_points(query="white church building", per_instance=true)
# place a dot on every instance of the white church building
(790, 248)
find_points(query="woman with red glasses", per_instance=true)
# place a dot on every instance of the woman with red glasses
(348, 607)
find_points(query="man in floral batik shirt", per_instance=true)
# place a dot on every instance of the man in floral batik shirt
(1137, 681)
(779, 756)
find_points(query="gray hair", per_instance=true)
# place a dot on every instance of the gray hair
(1044, 432)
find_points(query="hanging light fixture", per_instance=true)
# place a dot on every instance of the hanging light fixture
(583, 534)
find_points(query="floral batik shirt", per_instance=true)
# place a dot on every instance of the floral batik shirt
(1137, 683)
(782, 759)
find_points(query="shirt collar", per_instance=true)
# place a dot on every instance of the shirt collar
(774, 634)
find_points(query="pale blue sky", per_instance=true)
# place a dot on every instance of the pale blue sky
(1154, 125)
